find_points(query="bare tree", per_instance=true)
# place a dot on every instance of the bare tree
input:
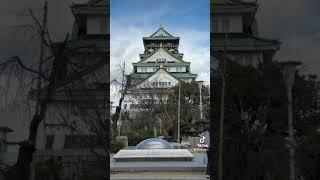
(60, 77)
(123, 83)
(153, 102)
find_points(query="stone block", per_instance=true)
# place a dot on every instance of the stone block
(123, 139)
(153, 155)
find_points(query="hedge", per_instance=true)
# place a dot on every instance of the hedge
(116, 146)
(136, 136)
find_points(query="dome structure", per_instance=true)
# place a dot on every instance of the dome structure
(154, 143)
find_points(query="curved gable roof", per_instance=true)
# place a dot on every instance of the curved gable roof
(156, 73)
(160, 50)
(161, 32)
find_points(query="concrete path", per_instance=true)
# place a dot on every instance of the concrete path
(197, 164)
(197, 175)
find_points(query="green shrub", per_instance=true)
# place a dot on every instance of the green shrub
(136, 136)
(116, 146)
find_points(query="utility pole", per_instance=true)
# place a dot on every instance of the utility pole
(289, 70)
(200, 83)
(179, 111)
(223, 64)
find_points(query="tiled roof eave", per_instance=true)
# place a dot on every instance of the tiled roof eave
(165, 64)
(149, 55)
(233, 9)
(95, 11)
(161, 38)
(247, 48)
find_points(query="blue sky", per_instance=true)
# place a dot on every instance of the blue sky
(133, 19)
(170, 13)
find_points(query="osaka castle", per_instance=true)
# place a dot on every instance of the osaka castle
(161, 66)
(234, 29)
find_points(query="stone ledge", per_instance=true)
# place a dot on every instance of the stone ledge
(153, 155)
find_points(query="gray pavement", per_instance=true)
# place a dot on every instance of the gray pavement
(198, 163)
(162, 175)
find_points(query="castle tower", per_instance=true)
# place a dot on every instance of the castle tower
(161, 66)
(234, 27)
(161, 56)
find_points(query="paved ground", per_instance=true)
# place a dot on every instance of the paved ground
(197, 175)
(198, 163)
(161, 170)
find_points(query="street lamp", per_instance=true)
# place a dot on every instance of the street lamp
(179, 111)
(289, 69)
(200, 84)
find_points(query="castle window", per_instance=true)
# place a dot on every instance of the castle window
(215, 25)
(161, 60)
(226, 25)
(104, 26)
(179, 69)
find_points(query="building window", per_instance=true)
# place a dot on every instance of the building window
(103, 26)
(125, 106)
(161, 60)
(179, 69)
(144, 69)
(161, 84)
(226, 25)
(215, 25)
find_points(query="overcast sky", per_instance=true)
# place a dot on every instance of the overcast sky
(132, 20)
(294, 22)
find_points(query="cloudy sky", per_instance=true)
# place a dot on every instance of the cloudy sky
(132, 20)
(296, 24)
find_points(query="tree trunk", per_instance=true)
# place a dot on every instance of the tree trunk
(21, 169)
(116, 118)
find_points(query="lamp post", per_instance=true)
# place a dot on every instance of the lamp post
(179, 112)
(200, 84)
(289, 69)
(119, 124)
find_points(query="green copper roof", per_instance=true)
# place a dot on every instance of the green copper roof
(161, 38)
(241, 41)
(234, 6)
(138, 78)
(96, 7)
(162, 31)
(162, 35)
(158, 64)
(149, 55)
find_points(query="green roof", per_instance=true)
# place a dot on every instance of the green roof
(164, 35)
(235, 6)
(177, 75)
(164, 64)
(149, 55)
(163, 31)
(144, 76)
(241, 41)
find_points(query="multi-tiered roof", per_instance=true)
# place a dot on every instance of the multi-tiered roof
(161, 56)
(234, 26)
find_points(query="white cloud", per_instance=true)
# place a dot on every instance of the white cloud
(127, 44)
